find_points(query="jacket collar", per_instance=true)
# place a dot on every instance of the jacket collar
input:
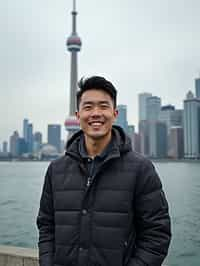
(121, 143)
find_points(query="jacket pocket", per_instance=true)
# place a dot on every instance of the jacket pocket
(129, 246)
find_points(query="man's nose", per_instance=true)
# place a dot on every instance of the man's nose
(96, 111)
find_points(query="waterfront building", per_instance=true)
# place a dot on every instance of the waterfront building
(197, 87)
(136, 142)
(144, 137)
(131, 132)
(142, 97)
(14, 144)
(122, 117)
(37, 141)
(153, 108)
(74, 46)
(191, 126)
(54, 136)
(25, 129)
(176, 143)
(38, 137)
(177, 118)
(165, 115)
(29, 140)
(5, 147)
(171, 117)
(21, 146)
(157, 139)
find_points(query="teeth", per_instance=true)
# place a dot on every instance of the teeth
(96, 123)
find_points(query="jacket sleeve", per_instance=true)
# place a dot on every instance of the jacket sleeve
(45, 223)
(152, 221)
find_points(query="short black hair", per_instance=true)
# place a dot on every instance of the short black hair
(97, 83)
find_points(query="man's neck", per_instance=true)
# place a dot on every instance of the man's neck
(96, 146)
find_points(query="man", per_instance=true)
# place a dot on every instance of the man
(102, 204)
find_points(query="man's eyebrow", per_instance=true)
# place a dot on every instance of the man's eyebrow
(95, 102)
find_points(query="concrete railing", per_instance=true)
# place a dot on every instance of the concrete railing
(15, 256)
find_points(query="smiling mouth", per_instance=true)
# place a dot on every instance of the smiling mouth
(96, 123)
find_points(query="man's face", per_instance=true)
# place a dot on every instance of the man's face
(96, 113)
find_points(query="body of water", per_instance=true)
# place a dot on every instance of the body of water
(20, 190)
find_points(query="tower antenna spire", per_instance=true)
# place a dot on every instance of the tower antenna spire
(74, 5)
(74, 13)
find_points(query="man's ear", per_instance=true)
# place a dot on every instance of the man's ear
(77, 115)
(116, 112)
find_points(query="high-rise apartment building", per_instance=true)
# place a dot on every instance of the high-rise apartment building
(144, 137)
(197, 87)
(143, 105)
(29, 141)
(122, 117)
(176, 143)
(14, 144)
(157, 139)
(5, 147)
(54, 136)
(171, 117)
(37, 141)
(153, 108)
(165, 115)
(191, 126)
(21, 146)
(136, 143)
(25, 129)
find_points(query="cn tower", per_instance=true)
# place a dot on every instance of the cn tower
(74, 46)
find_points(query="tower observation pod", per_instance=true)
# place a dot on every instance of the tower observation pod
(73, 44)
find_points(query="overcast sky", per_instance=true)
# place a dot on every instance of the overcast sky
(140, 45)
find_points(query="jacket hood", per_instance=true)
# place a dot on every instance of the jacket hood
(122, 140)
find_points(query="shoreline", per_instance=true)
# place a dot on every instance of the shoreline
(167, 160)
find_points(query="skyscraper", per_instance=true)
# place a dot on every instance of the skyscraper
(153, 108)
(143, 105)
(5, 147)
(157, 139)
(197, 87)
(29, 141)
(37, 141)
(54, 136)
(144, 137)
(149, 108)
(122, 117)
(74, 46)
(176, 143)
(171, 117)
(191, 126)
(14, 144)
(25, 129)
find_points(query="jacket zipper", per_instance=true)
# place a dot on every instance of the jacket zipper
(89, 181)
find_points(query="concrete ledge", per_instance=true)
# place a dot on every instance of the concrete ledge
(15, 256)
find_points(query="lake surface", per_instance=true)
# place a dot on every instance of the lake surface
(20, 190)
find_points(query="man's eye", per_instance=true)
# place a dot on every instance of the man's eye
(87, 107)
(104, 106)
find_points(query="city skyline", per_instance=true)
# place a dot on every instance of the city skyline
(160, 54)
(161, 129)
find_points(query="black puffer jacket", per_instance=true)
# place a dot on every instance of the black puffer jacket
(120, 219)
